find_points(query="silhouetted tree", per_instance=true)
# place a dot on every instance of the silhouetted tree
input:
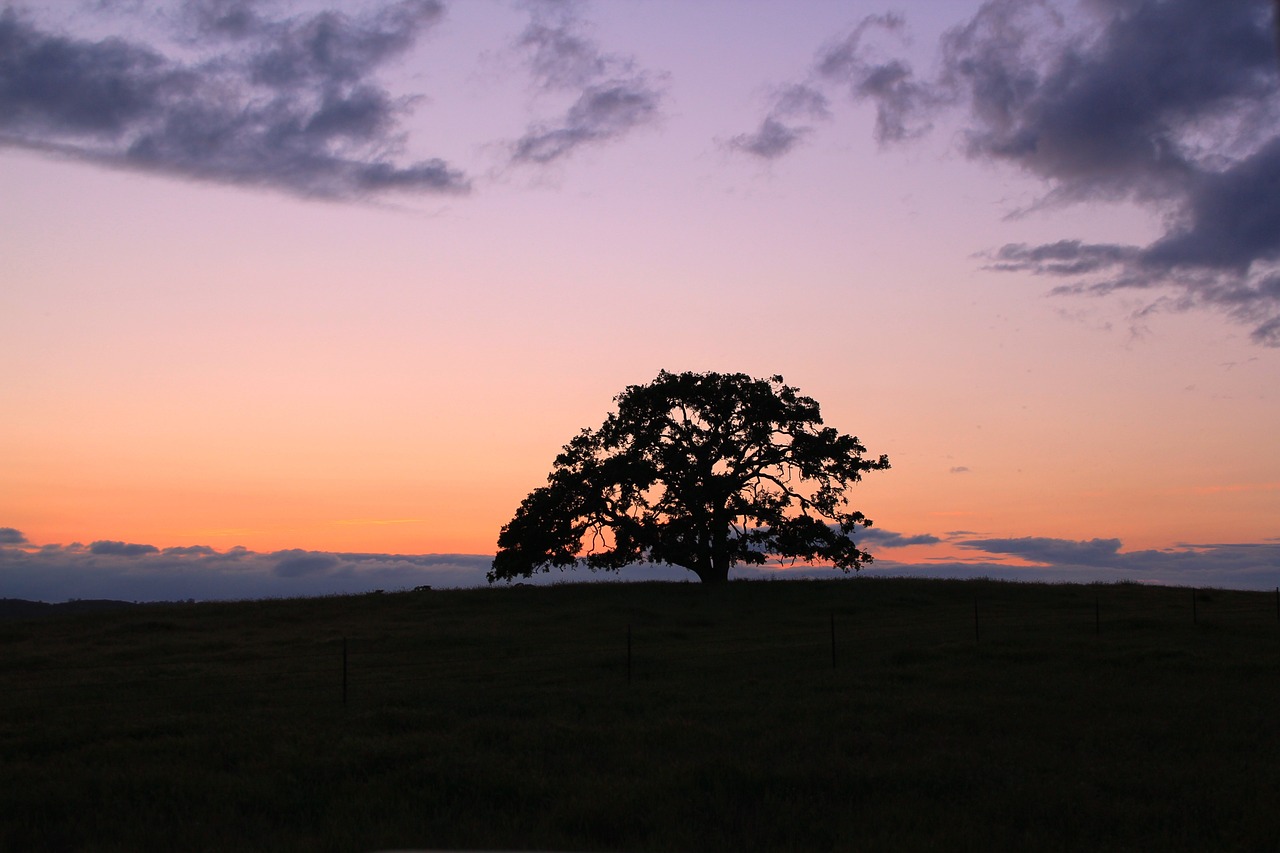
(700, 470)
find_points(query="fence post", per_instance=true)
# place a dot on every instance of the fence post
(1195, 616)
(977, 637)
(344, 670)
(628, 653)
(1097, 614)
(1278, 604)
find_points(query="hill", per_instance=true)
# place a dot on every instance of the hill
(864, 714)
(20, 608)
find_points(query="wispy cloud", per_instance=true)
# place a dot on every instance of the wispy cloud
(377, 522)
(288, 103)
(794, 107)
(611, 95)
(851, 66)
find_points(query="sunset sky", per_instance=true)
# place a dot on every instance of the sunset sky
(305, 297)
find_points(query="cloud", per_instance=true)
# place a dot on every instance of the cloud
(612, 96)
(234, 19)
(1170, 104)
(11, 536)
(1242, 565)
(782, 129)
(287, 103)
(141, 572)
(1223, 565)
(299, 563)
(109, 569)
(902, 101)
(850, 65)
(877, 537)
(137, 572)
(1051, 551)
(190, 551)
(121, 549)
(1113, 111)
(960, 469)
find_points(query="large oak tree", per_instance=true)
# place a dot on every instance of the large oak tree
(700, 470)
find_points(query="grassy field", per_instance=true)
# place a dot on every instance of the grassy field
(865, 714)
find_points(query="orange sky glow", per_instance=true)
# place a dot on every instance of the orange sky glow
(195, 357)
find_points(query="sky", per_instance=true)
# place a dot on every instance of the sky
(301, 298)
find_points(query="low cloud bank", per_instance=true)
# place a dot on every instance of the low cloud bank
(141, 572)
(1254, 565)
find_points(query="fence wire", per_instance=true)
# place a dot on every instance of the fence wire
(370, 668)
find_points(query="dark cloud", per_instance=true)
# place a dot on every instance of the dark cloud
(121, 549)
(234, 19)
(1255, 565)
(1171, 104)
(901, 100)
(61, 86)
(137, 572)
(11, 536)
(1094, 552)
(1112, 112)
(290, 105)
(190, 551)
(1065, 257)
(876, 537)
(330, 48)
(295, 563)
(613, 97)
(1240, 566)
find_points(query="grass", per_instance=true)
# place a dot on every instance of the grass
(1073, 717)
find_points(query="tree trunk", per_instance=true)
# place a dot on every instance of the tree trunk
(717, 561)
(715, 570)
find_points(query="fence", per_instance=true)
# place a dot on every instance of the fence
(340, 672)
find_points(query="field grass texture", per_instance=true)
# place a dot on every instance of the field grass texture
(858, 714)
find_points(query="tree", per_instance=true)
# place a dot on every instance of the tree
(700, 470)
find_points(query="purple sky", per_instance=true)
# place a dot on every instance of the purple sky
(291, 290)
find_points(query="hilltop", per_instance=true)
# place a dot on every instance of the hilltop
(866, 713)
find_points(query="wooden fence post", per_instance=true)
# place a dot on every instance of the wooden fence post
(1195, 616)
(628, 653)
(1097, 614)
(344, 670)
(977, 637)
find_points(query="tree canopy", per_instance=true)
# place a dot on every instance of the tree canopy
(699, 470)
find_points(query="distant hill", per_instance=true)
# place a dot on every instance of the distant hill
(18, 608)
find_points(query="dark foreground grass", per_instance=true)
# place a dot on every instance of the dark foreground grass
(1062, 718)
